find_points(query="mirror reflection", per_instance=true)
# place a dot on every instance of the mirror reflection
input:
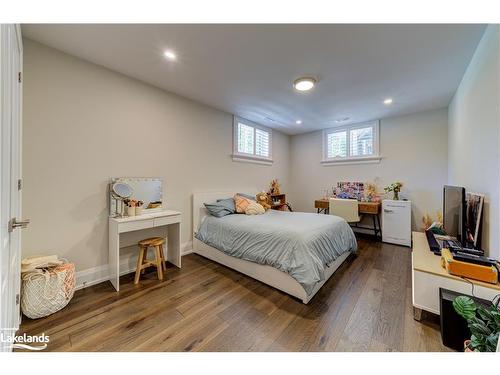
(147, 190)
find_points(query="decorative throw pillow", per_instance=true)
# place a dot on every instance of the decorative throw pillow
(255, 208)
(217, 209)
(228, 203)
(247, 196)
(241, 203)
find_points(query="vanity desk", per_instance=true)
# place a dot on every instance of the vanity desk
(171, 220)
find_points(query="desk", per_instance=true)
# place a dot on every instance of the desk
(428, 276)
(117, 225)
(365, 208)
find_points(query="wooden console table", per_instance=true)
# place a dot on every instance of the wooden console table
(365, 208)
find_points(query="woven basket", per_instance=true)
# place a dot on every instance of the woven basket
(47, 290)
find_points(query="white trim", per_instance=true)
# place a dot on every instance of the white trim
(251, 158)
(356, 159)
(99, 274)
(345, 161)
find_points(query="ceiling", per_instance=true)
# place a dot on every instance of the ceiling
(248, 70)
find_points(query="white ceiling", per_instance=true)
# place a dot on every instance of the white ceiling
(248, 70)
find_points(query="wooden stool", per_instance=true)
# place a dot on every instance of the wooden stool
(143, 262)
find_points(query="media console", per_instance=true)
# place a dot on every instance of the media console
(428, 276)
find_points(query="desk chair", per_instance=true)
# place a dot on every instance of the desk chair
(345, 208)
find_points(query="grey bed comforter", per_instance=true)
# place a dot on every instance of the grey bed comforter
(300, 244)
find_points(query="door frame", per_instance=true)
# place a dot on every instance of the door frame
(11, 320)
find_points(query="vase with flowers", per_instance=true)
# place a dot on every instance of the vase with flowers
(395, 187)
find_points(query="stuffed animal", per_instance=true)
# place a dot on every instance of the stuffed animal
(261, 198)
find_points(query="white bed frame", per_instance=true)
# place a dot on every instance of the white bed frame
(266, 274)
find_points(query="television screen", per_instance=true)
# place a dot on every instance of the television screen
(453, 211)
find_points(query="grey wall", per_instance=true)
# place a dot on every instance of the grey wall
(414, 151)
(474, 133)
(84, 124)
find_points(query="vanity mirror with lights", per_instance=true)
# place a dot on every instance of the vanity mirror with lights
(148, 190)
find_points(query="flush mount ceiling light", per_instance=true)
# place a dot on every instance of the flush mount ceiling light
(304, 83)
(298, 122)
(343, 119)
(170, 55)
(388, 101)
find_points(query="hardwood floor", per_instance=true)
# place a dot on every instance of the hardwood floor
(365, 306)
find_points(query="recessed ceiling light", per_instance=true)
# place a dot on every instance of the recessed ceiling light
(170, 55)
(304, 83)
(343, 119)
(298, 122)
(388, 101)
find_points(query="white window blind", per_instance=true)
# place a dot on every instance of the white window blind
(358, 142)
(361, 142)
(337, 144)
(261, 143)
(251, 142)
(245, 139)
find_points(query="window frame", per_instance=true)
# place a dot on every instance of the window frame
(374, 158)
(251, 158)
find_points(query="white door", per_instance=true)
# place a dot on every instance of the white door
(10, 182)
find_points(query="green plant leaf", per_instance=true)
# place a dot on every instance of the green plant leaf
(465, 307)
(491, 342)
(480, 329)
(496, 317)
(476, 343)
(485, 314)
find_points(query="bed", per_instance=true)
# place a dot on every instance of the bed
(293, 252)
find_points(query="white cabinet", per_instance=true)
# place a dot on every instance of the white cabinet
(396, 222)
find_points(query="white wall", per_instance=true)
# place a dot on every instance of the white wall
(84, 124)
(414, 150)
(474, 133)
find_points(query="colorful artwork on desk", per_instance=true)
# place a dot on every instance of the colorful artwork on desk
(351, 190)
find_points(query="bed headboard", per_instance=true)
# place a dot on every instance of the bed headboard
(199, 210)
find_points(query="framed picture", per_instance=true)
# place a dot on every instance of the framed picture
(473, 214)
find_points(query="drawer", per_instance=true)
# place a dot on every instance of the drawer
(166, 220)
(135, 225)
(368, 208)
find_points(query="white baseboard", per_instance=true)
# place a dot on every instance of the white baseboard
(96, 275)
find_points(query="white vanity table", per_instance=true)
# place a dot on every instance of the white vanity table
(171, 220)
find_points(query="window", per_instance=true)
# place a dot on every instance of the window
(252, 142)
(354, 143)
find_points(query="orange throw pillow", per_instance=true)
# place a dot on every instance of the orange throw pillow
(241, 203)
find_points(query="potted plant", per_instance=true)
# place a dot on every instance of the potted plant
(395, 187)
(483, 322)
